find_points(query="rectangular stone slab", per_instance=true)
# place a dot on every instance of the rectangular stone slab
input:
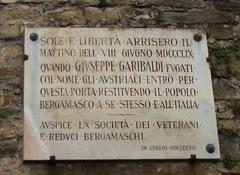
(99, 93)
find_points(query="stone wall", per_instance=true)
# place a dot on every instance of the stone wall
(220, 19)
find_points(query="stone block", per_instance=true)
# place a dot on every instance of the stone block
(236, 29)
(229, 146)
(220, 32)
(226, 89)
(96, 15)
(231, 126)
(10, 32)
(6, 133)
(8, 146)
(7, 1)
(86, 2)
(198, 17)
(20, 15)
(224, 109)
(11, 55)
(139, 17)
(68, 17)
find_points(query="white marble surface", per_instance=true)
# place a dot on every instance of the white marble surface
(119, 115)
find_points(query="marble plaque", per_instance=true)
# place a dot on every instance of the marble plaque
(99, 93)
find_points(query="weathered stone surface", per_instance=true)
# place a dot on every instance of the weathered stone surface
(136, 2)
(226, 89)
(7, 1)
(123, 168)
(86, 2)
(11, 55)
(229, 145)
(68, 17)
(220, 32)
(8, 111)
(234, 60)
(232, 126)
(225, 61)
(219, 59)
(229, 167)
(9, 72)
(6, 133)
(235, 108)
(19, 15)
(11, 165)
(10, 32)
(147, 3)
(236, 29)
(224, 109)
(8, 146)
(197, 17)
(227, 5)
(39, 1)
(138, 17)
(6, 98)
(106, 16)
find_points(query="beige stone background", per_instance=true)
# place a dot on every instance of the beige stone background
(220, 19)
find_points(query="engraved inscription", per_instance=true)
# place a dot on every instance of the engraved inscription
(117, 94)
